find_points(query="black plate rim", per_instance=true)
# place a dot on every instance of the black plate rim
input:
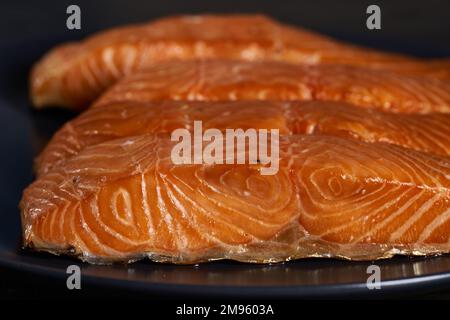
(411, 285)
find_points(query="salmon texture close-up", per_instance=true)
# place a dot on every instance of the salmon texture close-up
(358, 140)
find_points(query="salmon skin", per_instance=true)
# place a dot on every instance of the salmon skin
(332, 197)
(427, 133)
(220, 80)
(74, 74)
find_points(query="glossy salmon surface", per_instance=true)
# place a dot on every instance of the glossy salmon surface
(224, 80)
(427, 133)
(74, 74)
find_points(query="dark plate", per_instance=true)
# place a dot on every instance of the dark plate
(25, 131)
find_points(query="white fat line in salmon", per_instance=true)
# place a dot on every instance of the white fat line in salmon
(235, 146)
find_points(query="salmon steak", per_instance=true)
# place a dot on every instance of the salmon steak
(125, 199)
(74, 74)
(224, 80)
(422, 132)
(352, 158)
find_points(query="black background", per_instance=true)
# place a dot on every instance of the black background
(416, 27)
(419, 28)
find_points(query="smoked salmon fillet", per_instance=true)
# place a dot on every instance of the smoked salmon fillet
(428, 133)
(215, 80)
(332, 197)
(74, 74)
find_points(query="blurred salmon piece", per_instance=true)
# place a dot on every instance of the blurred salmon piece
(74, 74)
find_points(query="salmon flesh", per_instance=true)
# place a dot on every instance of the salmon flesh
(332, 197)
(74, 74)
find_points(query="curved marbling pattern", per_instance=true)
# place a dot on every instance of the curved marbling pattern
(74, 74)
(332, 197)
